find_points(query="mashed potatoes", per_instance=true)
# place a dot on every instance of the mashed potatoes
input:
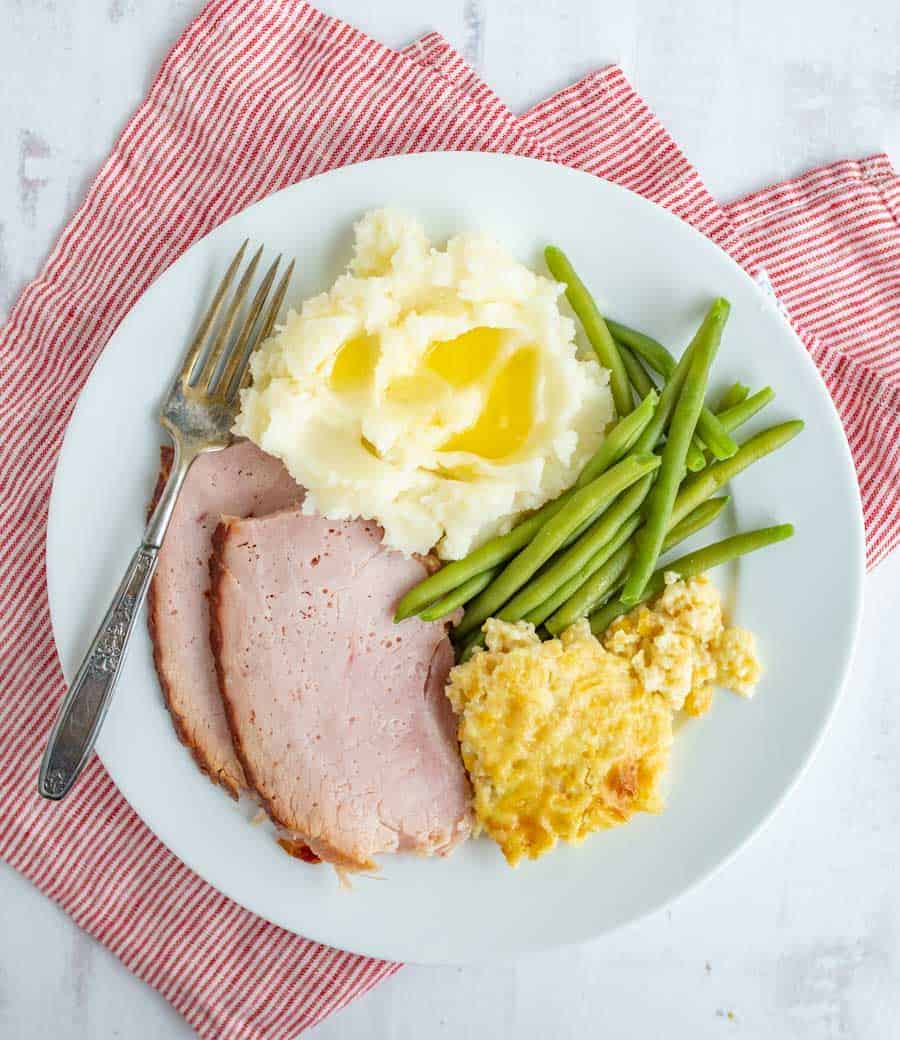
(436, 391)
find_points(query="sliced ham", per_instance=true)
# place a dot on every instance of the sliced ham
(338, 716)
(241, 480)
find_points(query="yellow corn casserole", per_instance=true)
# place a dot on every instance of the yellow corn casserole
(559, 738)
(565, 737)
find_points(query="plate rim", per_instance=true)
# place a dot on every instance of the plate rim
(374, 949)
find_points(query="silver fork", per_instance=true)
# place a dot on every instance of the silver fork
(198, 414)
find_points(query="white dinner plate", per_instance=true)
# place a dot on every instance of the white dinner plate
(729, 770)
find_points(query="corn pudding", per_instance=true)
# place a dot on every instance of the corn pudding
(569, 736)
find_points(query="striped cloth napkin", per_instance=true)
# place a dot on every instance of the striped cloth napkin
(255, 95)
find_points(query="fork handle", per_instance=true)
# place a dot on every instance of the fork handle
(87, 700)
(85, 705)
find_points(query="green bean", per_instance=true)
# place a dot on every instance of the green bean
(714, 435)
(622, 539)
(459, 596)
(695, 460)
(707, 483)
(697, 519)
(736, 393)
(592, 590)
(585, 502)
(573, 560)
(671, 472)
(637, 374)
(738, 414)
(617, 443)
(668, 398)
(709, 429)
(651, 350)
(730, 415)
(494, 551)
(620, 440)
(582, 303)
(693, 564)
(598, 585)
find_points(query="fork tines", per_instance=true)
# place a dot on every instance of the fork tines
(217, 362)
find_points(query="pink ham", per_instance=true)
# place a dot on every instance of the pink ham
(241, 480)
(339, 717)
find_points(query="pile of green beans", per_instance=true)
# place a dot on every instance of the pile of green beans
(594, 551)
(693, 510)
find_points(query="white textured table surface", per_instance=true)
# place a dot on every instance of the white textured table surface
(800, 936)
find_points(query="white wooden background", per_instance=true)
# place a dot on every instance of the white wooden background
(800, 936)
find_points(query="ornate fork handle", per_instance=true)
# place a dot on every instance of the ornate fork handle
(84, 707)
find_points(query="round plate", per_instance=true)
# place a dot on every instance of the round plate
(729, 770)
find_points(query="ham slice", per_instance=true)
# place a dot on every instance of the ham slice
(240, 480)
(338, 716)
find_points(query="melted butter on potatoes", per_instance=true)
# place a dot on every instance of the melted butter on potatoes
(437, 391)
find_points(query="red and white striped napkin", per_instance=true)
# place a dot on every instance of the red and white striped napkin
(255, 95)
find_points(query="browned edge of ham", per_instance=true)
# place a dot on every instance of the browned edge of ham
(294, 847)
(227, 783)
(291, 843)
